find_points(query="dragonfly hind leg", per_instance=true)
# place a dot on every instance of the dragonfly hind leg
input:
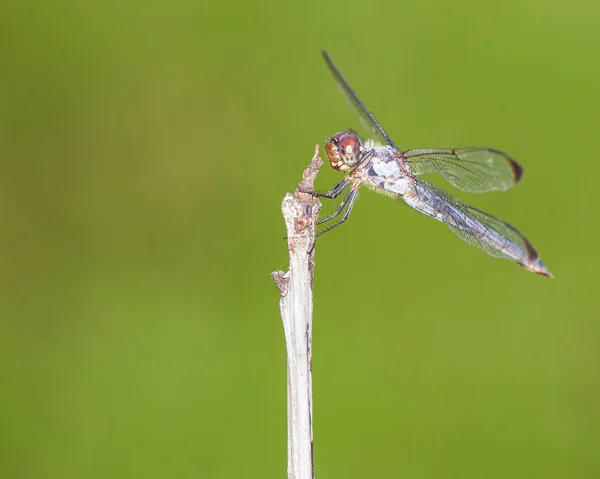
(338, 210)
(348, 200)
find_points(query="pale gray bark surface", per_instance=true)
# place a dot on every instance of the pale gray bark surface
(300, 212)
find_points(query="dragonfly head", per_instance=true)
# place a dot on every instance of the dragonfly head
(344, 151)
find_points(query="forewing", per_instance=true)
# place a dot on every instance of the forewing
(472, 169)
(365, 116)
(476, 227)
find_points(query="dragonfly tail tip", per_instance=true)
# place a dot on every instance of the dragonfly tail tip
(539, 268)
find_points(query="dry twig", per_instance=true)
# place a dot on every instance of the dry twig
(300, 212)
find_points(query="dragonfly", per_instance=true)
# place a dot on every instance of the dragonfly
(380, 165)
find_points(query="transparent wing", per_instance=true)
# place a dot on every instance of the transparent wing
(472, 169)
(366, 118)
(494, 236)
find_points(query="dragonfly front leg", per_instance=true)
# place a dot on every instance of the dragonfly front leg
(341, 186)
(334, 192)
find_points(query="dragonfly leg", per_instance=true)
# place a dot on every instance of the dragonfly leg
(338, 210)
(334, 192)
(341, 186)
(350, 198)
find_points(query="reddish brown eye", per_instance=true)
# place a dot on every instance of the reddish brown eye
(343, 150)
(349, 148)
(348, 142)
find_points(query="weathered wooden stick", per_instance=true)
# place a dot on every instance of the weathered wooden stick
(300, 212)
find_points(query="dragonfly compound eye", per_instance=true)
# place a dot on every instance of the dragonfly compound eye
(343, 151)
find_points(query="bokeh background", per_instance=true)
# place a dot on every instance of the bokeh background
(145, 148)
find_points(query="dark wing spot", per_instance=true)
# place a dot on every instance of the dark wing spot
(517, 170)
(531, 251)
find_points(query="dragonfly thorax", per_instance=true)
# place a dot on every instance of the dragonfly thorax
(344, 151)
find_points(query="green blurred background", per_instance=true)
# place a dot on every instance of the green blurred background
(145, 148)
